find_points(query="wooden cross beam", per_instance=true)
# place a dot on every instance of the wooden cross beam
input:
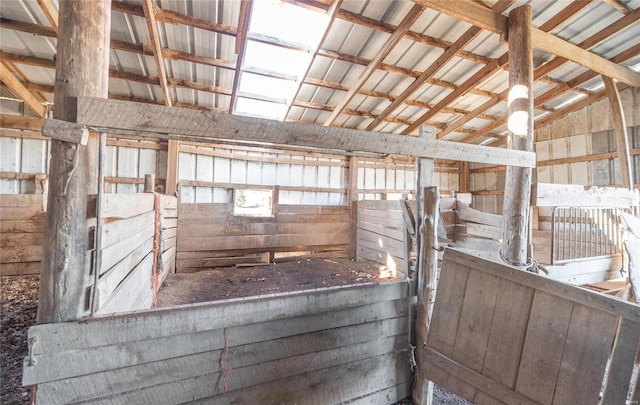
(211, 126)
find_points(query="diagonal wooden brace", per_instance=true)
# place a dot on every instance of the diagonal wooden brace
(65, 131)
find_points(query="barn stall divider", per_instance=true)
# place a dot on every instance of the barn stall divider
(210, 235)
(330, 345)
(503, 335)
(137, 250)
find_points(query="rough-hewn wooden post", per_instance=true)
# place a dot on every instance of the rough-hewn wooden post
(517, 190)
(82, 69)
(422, 388)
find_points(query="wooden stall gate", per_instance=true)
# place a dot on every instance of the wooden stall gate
(503, 335)
(325, 346)
(21, 227)
(137, 249)
(210, 235)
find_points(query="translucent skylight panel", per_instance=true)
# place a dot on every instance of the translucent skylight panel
(288, 22)
(276, 59)
(267, 86)
(257, 108)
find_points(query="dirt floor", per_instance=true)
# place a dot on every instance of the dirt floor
(19, 300)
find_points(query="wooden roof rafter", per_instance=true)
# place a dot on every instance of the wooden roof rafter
(50, 12)
(409, 19)
(150, 17)
(20, 91)
(241, 42)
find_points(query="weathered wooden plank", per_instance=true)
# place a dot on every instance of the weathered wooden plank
(111, 278)
(485, 231)
(116, 252)
(381, 230)
(18, 269)
(113, 232)
(246, 362)
(372, 241)
(344, 327)
(15, 239)
(121, 205)
(21, 213)
(260, 241)
(384, 205)
(20, 200)
(506, 338)
(585, 356)
(553, 195)
(472, 336)
(378, 256)
(35, 224)
(622, 363)
(311, 209)
(469, 214)
(565, 291)
(21, 254)
(130, 294)
(154, 118)
(441, 362)
(261, 228)
(191, 318)
(389, 395)
(543, 346)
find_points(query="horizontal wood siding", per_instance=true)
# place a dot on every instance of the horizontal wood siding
(326, 346)
(209, 235)
(503, 335)
(380, 233)
(21, 228)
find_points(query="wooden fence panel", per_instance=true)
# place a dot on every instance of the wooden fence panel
(21, 229)
(503, 335)
(210, 235)
(324, 346)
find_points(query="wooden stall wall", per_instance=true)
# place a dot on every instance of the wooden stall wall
(326, 346)
(137, 250)
(210, 235)
(381, 235)
(503, 335)
(21, 227)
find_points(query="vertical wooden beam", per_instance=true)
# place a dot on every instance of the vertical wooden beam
(20, 91)
(426, 273)
(150, 16)
(463, 183)
(352, 200)
(520, 137)
(422, 388)
(171, 185)
(82, 69)
(620, 127)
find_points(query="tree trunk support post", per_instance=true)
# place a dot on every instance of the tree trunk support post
(517, 192)
(82, 69)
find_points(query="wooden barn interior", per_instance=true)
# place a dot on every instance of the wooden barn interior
(483, 154)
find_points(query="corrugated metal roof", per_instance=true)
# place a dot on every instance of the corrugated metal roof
(355, 37)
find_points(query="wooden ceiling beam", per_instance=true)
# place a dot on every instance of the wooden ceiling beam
(476, 79)
(50, 12)
(20, 91)
(390, 43)
(489, 20)
(442, 60)
(241, 42)
(150, 17)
